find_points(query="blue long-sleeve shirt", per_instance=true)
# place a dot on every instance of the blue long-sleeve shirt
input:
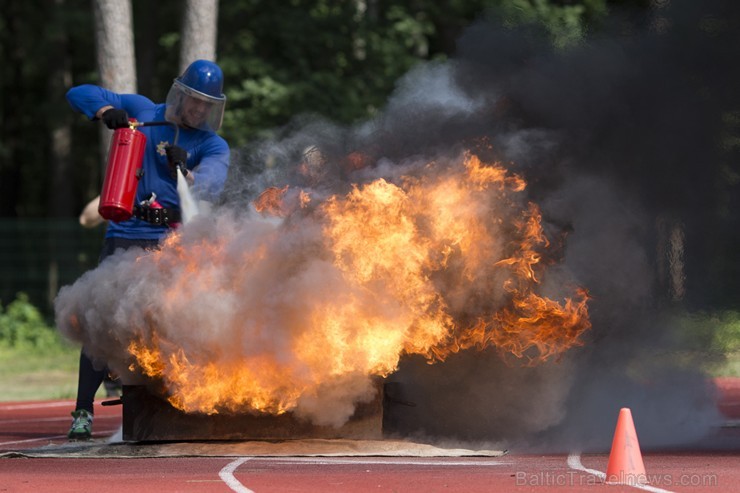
(208, 156)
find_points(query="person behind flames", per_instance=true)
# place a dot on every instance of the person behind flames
(195, 103)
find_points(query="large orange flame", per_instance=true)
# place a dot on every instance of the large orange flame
(430, 264)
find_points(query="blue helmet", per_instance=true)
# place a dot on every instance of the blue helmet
(196, 99)
(205, 77)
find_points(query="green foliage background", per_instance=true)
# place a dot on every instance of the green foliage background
(35, 362)
(22, 326)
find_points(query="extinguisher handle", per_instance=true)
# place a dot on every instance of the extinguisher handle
(159, 124)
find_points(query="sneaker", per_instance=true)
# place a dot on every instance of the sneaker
(81, 425)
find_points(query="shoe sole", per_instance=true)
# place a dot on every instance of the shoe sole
(79, 436)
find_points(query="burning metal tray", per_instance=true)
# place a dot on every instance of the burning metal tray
(150, 418)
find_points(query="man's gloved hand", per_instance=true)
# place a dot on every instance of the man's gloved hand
(176, 157)
(115, 118)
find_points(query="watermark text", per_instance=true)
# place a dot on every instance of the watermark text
(576, 478)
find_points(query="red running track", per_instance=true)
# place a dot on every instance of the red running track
(27, 425)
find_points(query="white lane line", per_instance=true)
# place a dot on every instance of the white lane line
(227, 476)
(39, 420)
(31, 420)
(574, 462)
(55, 437)
(227, 473)
(37, 405)
(52, 437)
(400, 461)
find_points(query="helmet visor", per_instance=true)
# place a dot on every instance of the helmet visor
(190, 108)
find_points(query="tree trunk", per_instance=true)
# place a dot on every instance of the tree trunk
(115, 44)
(199, 29)
(671, 262)
(114, 40)
(62, 203)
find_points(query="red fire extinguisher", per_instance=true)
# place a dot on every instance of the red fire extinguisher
(123, 172)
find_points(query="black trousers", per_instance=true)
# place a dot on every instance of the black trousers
(89, 379)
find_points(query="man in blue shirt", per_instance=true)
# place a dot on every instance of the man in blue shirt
(195, 105)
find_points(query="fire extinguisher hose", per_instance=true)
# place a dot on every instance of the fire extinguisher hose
(158, 124)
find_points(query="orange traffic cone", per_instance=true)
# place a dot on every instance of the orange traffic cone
(625, 460)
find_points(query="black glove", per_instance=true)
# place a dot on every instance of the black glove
(115, 118)
(176, 157)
